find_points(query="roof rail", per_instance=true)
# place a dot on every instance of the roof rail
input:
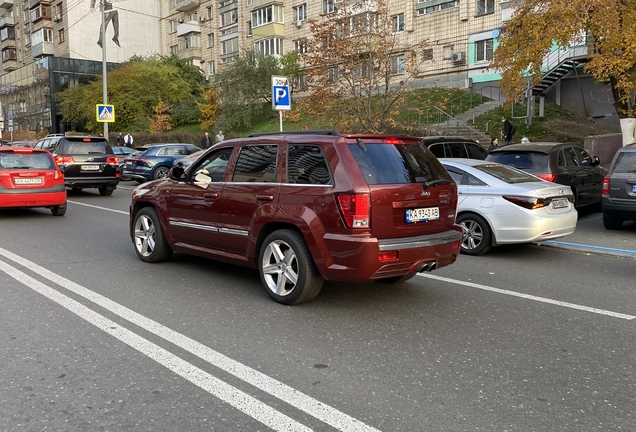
(302, 132)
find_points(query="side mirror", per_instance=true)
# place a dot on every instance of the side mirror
(596, 161)
(177, 173)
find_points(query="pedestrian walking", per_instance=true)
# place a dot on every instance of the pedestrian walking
(128, 140)
(494, 144)
(206, 141)
(219, 137)
(120, 139)
(508, 130)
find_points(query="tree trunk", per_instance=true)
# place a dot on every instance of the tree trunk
(628, 128)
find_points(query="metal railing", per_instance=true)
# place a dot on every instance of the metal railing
(433, 121)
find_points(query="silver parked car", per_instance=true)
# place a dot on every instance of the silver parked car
(499, 205)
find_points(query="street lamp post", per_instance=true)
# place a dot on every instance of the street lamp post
(104, 72)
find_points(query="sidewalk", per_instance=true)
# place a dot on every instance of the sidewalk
(592, 237)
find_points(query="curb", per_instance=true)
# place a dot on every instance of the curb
(625, 253)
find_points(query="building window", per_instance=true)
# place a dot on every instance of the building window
(300, 13)
(249, 29)
(397, 65)
(268, 47)
(41, 11)
(427, 54)
(485, 7)
(193, 16)
(174, 49)
(59, 10)
(300, 83)
(173, 26)
(267, 15)
(300, 46)
(9, 54)
(7, 33)
(483, 50)
(249, 3)
(329, 6)
(60, 36)
(438, 7)
(211, 68)
(229, 18)
(398, 23)
(230, 46)
(42, 35)
(210, 40)
(191, 40)
(209, 12)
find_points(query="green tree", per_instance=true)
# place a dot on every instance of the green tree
(356, 55)
(245, 87)
(537, 25)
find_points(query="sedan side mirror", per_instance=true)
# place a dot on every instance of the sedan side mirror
(177, 173)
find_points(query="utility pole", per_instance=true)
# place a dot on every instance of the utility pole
(104, 71)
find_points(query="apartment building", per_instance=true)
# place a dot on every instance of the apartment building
(48, 45)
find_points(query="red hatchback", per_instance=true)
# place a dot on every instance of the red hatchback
(31, 178)
(305, 207)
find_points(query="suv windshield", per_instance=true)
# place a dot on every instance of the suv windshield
(625, 163)
(507, 174)
(397, 163)
(530, 161)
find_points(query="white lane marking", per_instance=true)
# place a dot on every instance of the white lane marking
(530, 297)
(293, 397)
(231, 395)
(98, 207)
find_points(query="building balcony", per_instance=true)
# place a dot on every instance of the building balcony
(188, 5)
(6, 4)
(193, 53)
(9, 65)
(42, 49)
(188, 27)
(7, 43)
(7, 21)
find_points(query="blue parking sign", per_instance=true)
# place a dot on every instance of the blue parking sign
(281, 99)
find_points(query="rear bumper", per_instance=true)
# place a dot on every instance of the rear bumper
(529, 227)
(353, 258)
(618, 210)
(96, 182)
(43, 199)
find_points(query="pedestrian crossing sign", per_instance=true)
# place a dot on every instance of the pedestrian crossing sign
(105, 113)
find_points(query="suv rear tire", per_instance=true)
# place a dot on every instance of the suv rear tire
(612, 223)
(104, 191)
(287, 269)
(150, 242)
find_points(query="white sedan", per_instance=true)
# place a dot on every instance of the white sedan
(498, 204)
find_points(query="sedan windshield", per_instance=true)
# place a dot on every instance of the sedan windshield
(507, 174)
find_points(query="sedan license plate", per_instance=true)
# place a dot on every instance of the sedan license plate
(90, 168)
(27, 181)
(129, 163)
(422, 214)
(560, 203)
(634, 188)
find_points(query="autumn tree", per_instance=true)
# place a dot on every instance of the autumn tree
(537, 25)
(210, 109)
(356, 56)
(160, 122)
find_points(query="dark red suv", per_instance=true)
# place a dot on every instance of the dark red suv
(306, 206)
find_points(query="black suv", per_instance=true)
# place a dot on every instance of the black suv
(454, 147)
(619, 189)
(86, 161)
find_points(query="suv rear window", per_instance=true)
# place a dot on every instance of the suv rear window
(85, 147)
(15, 160)
(530, 161)
(625, 163)
(397, 163)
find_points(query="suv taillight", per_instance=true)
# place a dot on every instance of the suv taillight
(606, 182)
(547, 176)
(114, 160)
(61, 160)
(355, 209)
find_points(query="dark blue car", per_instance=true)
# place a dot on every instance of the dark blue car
(154, 161)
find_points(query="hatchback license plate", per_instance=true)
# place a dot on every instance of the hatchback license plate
(560, 203)
(25, 181)
(634, 188)
(422, 214)
(90, 167)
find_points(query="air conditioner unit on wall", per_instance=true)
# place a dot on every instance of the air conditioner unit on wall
(57, 18)
(180, 20)
(457, 57)
(202, 18)
(299, 24)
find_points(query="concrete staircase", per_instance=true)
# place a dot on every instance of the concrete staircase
(459, 125)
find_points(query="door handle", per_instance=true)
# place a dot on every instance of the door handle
(262, 197)
(213, 195)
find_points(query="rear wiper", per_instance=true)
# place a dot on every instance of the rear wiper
(21, 167)
(426, 185)
(361, 144)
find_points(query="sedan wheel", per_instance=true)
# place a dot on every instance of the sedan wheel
(477, 237)
(287, 269)
(150, 242)
(161, 172)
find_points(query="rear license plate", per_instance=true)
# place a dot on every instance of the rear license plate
(27, 181)
(90, 168)
(422, 214)
(634, 188)
(560, 203)
(129, 163)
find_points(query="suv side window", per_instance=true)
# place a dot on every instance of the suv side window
(584, 157)
(437, 150)
(457, 150)
(306, 164)
(476, 151)
(212, 168)
(570, 157)
(256, 164)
